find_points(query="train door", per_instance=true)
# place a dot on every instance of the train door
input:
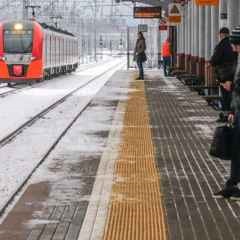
(60, 51)
(50, 48)
(45, 51)
(48, 52)
(54, 51)
(67, 51)
(71, 51)
(65, 60)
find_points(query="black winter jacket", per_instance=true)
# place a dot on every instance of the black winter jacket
(223, 53)
(224, 61)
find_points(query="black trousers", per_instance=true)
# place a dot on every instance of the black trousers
(234, 178)
(226, 99)
(166, 65)
(140, 67)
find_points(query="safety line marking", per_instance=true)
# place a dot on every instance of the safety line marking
(136, 210)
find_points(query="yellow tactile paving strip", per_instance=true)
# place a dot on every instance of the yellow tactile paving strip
(136, 210)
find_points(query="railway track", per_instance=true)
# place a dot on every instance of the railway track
(9, 91)
(19, 130)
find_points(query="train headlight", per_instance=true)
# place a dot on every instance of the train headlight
(18, 26)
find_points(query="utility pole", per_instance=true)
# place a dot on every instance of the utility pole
(33, 7)
(24, 9)
(83, 43)
(55, 17)
(128, 47)
(95, 30)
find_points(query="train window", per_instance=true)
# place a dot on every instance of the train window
(18, 43)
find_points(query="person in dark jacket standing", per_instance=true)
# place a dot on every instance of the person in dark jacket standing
(224, 62)
(231, 190)
(140, 55)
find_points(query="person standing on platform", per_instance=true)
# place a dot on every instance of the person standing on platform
(166, 55)
(231, 189)
(140, 55)
(224, 61)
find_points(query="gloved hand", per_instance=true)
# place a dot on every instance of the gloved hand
(227, 86)
(231, 118)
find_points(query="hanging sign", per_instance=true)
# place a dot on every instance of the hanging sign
(207, 2)
(174, 13)
(142, 27)
(147, 12)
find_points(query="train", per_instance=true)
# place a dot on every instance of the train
(31, 51)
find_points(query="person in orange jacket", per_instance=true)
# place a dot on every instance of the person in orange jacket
(166, 55)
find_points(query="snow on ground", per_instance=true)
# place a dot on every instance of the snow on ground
(80, 145)
(86, 63)
(5, 89)
(19, 108)
(19, 157)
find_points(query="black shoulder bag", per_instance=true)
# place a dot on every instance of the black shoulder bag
(221, 146)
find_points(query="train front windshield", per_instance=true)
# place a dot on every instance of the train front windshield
(18, 41)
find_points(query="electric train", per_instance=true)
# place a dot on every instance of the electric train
(30, 51)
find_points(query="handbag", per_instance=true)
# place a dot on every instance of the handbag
(142, 57)
(221, 146)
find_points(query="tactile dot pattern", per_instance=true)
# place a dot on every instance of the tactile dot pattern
(136, 210)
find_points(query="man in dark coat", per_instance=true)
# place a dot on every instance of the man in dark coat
(224, 62)
(231, 189)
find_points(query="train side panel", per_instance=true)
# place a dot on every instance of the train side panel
(62, 52)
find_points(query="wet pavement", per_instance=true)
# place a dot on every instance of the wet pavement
(182, 129)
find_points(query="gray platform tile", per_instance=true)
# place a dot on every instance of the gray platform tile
(38, 229)
(65, 222)
(35, 234)
(51, 227)
(183, 125)
(77, 221)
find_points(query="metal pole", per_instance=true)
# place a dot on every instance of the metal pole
(189, 21)
(215, 26)
(185, 35)
(178, 39)
(83, 40)
(192, 28)
(233, 15)
(159, 46)
(208, 27)
(196, 31)
(25, 10)
(95, 30)
(202, 26)
(128, 48)
(223, 16)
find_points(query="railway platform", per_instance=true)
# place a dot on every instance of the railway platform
(135, 166)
